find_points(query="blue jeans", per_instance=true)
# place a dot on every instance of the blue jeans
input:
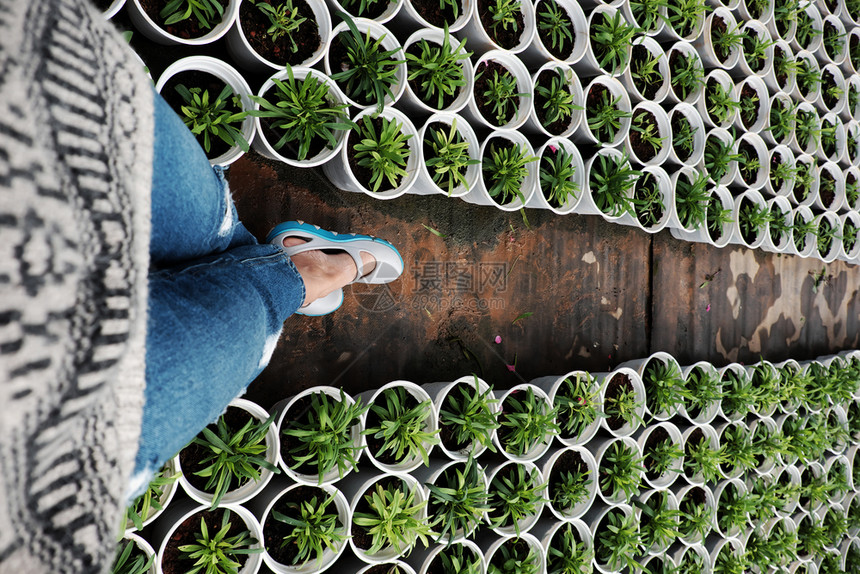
(217, 298)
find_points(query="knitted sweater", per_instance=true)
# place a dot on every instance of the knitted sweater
(76, 134)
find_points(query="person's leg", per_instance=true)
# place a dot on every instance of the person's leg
(192, 212)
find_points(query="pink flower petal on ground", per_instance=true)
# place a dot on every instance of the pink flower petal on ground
(708, 308)
(498, 339)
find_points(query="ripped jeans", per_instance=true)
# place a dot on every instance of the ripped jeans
(217, 298)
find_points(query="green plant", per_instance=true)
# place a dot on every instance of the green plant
(834, 42)
(765, 378)
(661, 456)
(515, 558)
(557, 176)
(687, 73)
(204, 11)
(646, 13)
(691, 563)
(648, 201)
(806, 30)
(231, 457)
(738, 447)
(314, 528)
(645, 71)
(696, 517)
(611, 37)
(691, 197)
(801, 230)
(471, 416)
(701, 459)
(505, 167)
(213, 118)
(757, 8)
(555, 22)
(784, 13)
(731, 561)
(811, 536)
(525, 421)
(457, 559)
(718, 155)
(130, 559)
(150, 501)
(750, 106)
(828, 138)
(303, 112)
(664, 386)
(685, 16)
(825, 234)
(853, 95)
(384, 153)
(393, 517)
(849, 235)
(779, 227)
(438, 69)
(703, 386)
(621, 471)
(449, 159)
(622, 405)
(218, 553)
(284, 20)
(726, 41)
(683, 136)
(717, 217)
(515, 493)
(753, 219)
(604, 118)
(739, 395)
(612, 179)
(400, 423)
(658, 525)
(577, 404)
(720, 101)
(618, 541)
(566, 554)
(782, 120)
(557, 99)
(361, 8)
(808, 76)
(502, 94)
(369, 71)
(755, 49)
(458, 499)
(781, 172)
(784, 65)
(749, 163)
(734, 508)
(645, 127)
(504, 14)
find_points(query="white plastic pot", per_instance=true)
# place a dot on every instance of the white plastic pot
(830, 169)
(741, 487)
(803, 213)
(149, 28)
(546, 531)
(412, 19)
(539, 199)
(661, 119)
(738, 370)
(831, 121)
(627, 428)
(851, 255)
(654, 48)
(713, 438)
(658, 549)
(593, 520)
(808, 94)
(552, 386)
(726, 139)
(478, 39)
(144, 547)
(537, 53)
(480, 194)
(539, 448)
(766, 468)
(600, 447)
(113, 9)
(704, 44)
(412, 101)
(783, 101)
(422, 558)
(839, 57)
(547, 464)
(722, 78)
(796, 196)
(681, 492)
(524, 87)
(667, 199)
(781, 48)
(751, 140)
(490, 548)
(667, 478)
(782, 155)
(524, 524)
(838, 82)
(810, 9)
(439, 393)
(783, 242)
(743, 68)
(442, 120)
(702, 234)
(391, 10)
(169, 469)
(430, 475)
(745, 13)
(616, 89)
(640, 366)
(533, 123)
(703, 416)
(692, 116)
(763, 107)
(676, 95)
(589, 65)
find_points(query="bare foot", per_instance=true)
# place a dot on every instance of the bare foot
(323, 272)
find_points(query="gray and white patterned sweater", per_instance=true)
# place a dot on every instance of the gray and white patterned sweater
(76, 133)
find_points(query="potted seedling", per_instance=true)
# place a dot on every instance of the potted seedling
(808, 77)
(619, 468)
(320, 435)
(663, 457)
(697, 507)
(231, 459)
(557, 109)
(457, 499)
(704, 390)
(503, 92)
(765, 379)
(400, 427)
(752, 216)
(761, 10)
(623, 398)
(659, 519)
(467, 418)
(647, 77)
(367, 63)
(753, 100)
(782, 172)
(827, 236)
(833, 89)
(756, 49)
(419, 14)
(652, 200)
(720, 156)
(607, 113)
(734, 505)
(649, 135)
(526, 423)
(691, 200)
(782, 76)
(304, 528)
(720, 41)
(133, 555)
(783, 25)
(172, 22)
(807, 180)
(213, 100)
(576, 399)
(301, 117)
(617, 541)
(389, 517)
(781, 120)
(500, 25)
(610, 181)
(561, 33)
(852, 152)
(449, 156)
(702, 455)
(509, 172)
(460, 557)
(692, 559)
(149, 505)
(778, 236)
(833, 39)
(850, 240)
(719, 105)
(831, 190)
(569, 549)
(560, 178)
(663, 381)
(379, 157)
(688, 134)
(740, 452)
(609, 41)
(515, 555)
(687, 75)
(803, 231)
(752, 162)
(571, 478)
(738, 393)
(852, 188)
(438, 72)
(808, 35)
(517, 495)
(685, 19)
(832, 146)
(270, 34)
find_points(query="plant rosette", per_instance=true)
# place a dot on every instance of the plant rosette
(401, 444)
(663, 454)
(442, 154)
(831, 187)
(561, 178)
(152, 502)
(688, 135)
(780, 124)
(833, 95)
(834, 40)
(571, 478)
(807, 180)
(808, 523)
(782, 171)
(509, 172)
(788, 478)
(750, 216)
(838, 469)
(659, 519)
(647, 76)
(620, 469)
(809, 30)
(575, 398)
(457, 494)
(180, 525)
(782, 77)
(803, 236)
(719, 42)
(503, 93)
(423, 15)
(500, 26)
(607, 115)
(752, 10)
(382, 506)
(754, 100)
(464, 554)
(693, 558)
(727, 493)
(308, 22)
(701, 446)
(719, 103)
(686, 74)
(622, 395)
(214, 74)
(752, 161)
(557, 106)
(517, 495)
(685, 20)
(188, 32)
(663, 382)
(316, 522)
(467, 403)
(765, 379)
(389, 129)
(193, 458)
(526, 423)
(832, 519)
(320, 151)
(735, 404)
(337, 59)
(653, 196)
(412, 98)
(783, 25)
(510, 554)
(650, 135)
(850, 232)
(702, 381)
(698, 509)
(615, 531)
(807, 86)
(778, 236)
(789, 371)
(717, 228)
(609, 46)
(609, 189)
(763, 430)
(561, 34)
(568, 546)
(648, 16)
(301, 417)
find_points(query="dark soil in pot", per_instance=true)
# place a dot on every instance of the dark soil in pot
(569, 462)
(826, 190)
(338, 58)
(748, 236)
(719, 26)
(639, 57)
(619, 383)
(747, 93)
(776, 160)
(559, 124)
(546, 39)
(191, 456)
(415, 84)
(776, 214)
(655, 439)
(207, 82)
(747, 150)
(678, 121)
(276, 531)
(435, 14)
(188, 532)
(715, 233)
(255, 23)
(829, 31)
(643, 150)
(447, 433)
(373, 421)
(364, 174)
(360, 535)
(507, 39)
(186, 29)
(650, 213)
(485, 103)
(827, 81)
(780, 74)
